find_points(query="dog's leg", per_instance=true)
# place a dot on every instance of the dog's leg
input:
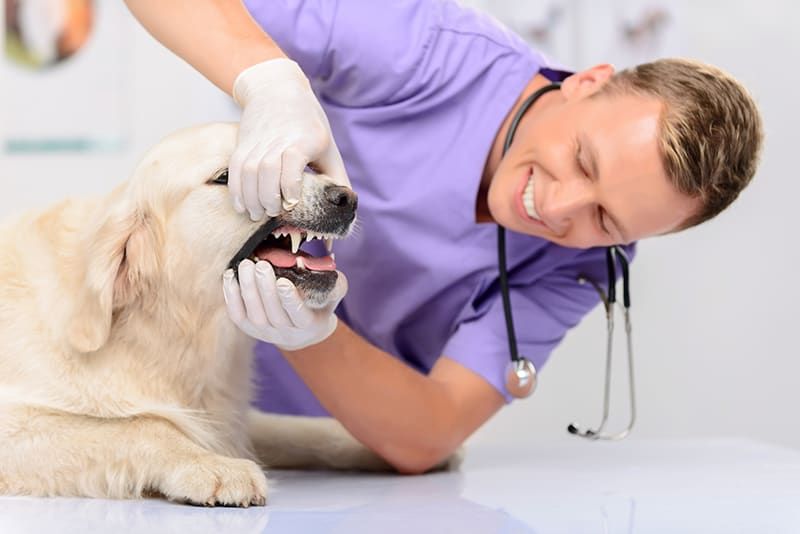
(48, 453)
(293, 442)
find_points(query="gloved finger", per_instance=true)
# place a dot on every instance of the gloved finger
(330, 163)
(301, 315)
(337, 293)
(233, 298)
(293, 163)
(269, 187)
(235, 179)
(265, 281)
(250, 197)
(250, 294)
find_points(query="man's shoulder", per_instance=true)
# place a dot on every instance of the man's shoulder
(471, 23)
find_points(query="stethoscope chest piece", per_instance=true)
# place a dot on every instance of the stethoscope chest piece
(520, 378)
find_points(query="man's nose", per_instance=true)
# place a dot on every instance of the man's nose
(570, 201)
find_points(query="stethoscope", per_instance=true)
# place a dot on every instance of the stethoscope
(521, 376)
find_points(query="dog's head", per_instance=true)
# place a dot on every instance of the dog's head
(171, 230)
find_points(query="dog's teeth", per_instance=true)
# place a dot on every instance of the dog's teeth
(300, 263)
(296, 238)
(329, 244)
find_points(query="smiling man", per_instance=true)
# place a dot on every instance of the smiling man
(419, 95)
(591, 169)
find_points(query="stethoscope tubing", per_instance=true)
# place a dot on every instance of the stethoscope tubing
(521, 373)
(501, 232)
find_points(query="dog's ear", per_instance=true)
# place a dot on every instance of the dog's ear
(121, 258)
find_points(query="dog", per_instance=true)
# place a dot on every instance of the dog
(121, 375)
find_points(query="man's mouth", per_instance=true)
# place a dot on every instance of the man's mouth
(528, 199)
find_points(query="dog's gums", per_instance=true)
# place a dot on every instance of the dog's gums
(251, 244)
(326, 211)
(281, 248)
(284, 250)
(279, 244)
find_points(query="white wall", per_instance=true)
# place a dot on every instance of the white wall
(165, 95)
(714, 307)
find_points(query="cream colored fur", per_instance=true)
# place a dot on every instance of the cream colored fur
(120, 373)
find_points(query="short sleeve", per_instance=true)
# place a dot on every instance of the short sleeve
(356, 52)
(302, 28)
(543, 313)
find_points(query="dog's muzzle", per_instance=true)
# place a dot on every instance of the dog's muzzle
(325, 217)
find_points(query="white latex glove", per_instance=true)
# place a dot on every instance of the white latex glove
(283, 128)
(273, 311)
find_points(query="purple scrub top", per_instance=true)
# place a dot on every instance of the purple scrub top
(415, 92)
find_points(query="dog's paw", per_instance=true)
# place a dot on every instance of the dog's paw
(216, 481)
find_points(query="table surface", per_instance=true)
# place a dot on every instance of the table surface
(637, 486)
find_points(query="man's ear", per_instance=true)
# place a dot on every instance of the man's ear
(121, 258)
(587, 82)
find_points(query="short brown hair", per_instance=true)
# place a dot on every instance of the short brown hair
(710, 129)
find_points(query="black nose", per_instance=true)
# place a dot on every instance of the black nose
(343, 198)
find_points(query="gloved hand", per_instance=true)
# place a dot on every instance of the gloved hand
(273, 311)
(282, 130)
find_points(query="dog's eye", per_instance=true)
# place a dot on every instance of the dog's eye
(220, 179)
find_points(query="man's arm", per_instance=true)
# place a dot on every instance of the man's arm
(411, 420)
(216, 37)
(283, 127)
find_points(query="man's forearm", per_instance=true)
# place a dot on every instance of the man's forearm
(216, 37)
(404, 416)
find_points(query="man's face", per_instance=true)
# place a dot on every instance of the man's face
(585, 172)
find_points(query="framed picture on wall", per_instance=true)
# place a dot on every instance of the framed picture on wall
(63, 68)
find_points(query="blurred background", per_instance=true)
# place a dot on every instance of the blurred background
(84, 92)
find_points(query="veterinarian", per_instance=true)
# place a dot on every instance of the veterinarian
(419, 96)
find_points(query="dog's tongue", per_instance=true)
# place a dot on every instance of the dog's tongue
(283, 258)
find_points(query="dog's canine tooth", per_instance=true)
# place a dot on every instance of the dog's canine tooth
(328, 243)
(300, 263)
(296, 238)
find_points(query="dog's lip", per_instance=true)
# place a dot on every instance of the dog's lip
(251, 244)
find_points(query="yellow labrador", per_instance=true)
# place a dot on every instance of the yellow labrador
(120, 372)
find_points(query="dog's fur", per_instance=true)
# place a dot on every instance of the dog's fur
(120, 372)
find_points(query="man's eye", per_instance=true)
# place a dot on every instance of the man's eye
(583, 169)
(602, 222)
(220, 179)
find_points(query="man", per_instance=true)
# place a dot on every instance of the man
(420, 95)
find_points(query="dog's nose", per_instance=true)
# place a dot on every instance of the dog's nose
(343, 198)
